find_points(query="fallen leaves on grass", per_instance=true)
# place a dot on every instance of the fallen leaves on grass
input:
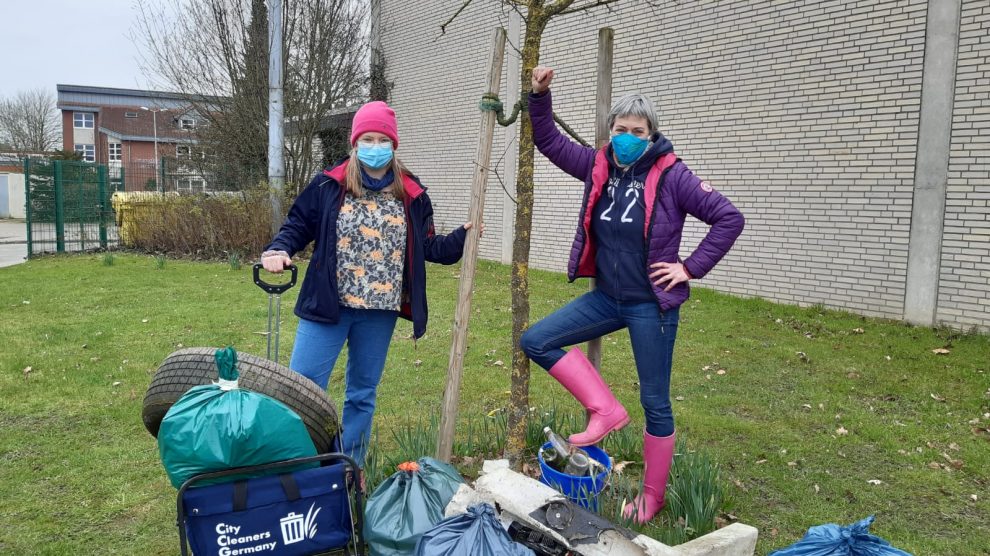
(875, 482)
(937, 397)
(941, 351)
(955, 463)
(858, 331)
(841, 431)
(619, 467)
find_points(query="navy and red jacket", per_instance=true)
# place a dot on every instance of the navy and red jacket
(313, 217)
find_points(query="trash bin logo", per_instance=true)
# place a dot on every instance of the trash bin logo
(295, 528)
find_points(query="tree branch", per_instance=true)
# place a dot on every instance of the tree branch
(586, 7)
(556, 8)
(443, 28)
(515, 7)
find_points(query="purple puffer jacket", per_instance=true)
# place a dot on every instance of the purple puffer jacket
(675, 192)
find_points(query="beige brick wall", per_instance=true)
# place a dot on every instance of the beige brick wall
(804, 113)
(438, 82)
(964, 275)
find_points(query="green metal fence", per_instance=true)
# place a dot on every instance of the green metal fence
(68, 206)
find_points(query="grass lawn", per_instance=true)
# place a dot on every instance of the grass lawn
(814, 416)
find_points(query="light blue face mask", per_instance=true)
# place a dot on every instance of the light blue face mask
(628, 148)
(375, 156)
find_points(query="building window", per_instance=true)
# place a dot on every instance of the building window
(114, 152)
(183, 151)
(130, 114)
(82, 120)
(191, 185)
(88, 152)
(187, 123)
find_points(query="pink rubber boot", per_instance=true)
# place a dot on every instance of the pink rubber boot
(582, 380)
(658, 453)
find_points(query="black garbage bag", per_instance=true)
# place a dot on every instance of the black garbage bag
(408, 504)
(478, 532)
(834, 540)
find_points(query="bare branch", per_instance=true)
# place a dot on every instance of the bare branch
(494, 170)
(29, 122)
(515, 7)
(557, 7)
(443, 28)
(218, 48)
(589, 6)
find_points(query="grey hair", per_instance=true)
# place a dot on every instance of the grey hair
(636, 105)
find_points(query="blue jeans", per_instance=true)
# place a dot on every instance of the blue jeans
(596, 314)
(368, 334)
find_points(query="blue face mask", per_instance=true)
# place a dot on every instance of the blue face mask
(628, 148)
(375, 156)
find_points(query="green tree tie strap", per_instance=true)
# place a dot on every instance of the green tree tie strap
(491, 102)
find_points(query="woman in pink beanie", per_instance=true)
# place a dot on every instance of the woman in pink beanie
(372, 224)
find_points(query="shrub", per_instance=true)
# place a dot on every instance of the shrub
(201, 225)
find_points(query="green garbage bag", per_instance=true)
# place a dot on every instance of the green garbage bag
(218, 426)
(408, 504)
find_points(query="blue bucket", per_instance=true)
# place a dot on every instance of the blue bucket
(580, 490)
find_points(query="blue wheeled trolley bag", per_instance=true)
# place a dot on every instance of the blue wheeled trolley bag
(305, 512)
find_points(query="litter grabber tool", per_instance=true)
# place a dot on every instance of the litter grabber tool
(275, 292)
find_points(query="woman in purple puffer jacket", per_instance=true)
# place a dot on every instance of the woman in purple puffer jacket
(637, 194)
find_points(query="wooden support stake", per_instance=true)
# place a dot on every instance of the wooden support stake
(451, 395)
(603, 103)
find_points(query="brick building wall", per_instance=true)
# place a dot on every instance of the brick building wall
(805, 114)
(964, 274)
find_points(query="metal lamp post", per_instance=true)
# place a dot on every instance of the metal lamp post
(154, 127)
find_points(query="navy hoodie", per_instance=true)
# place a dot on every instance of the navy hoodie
(618, 223)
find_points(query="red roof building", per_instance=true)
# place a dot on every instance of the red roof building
(131, 131)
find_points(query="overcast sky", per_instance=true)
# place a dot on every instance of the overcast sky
(44, 42)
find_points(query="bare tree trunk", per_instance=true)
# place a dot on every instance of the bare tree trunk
(519, 398)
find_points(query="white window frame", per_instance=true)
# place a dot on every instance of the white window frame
(187, 154)
(87, 151)
(115, 152)
(186, 184)
(187, 123)
(83, 120)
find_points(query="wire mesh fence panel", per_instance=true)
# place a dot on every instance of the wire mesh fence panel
(68, 206)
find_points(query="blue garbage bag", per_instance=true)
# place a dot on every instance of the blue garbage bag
(408, 504)
(478, 532)
(834, 540)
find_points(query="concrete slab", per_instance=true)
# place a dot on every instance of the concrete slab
(518, 496)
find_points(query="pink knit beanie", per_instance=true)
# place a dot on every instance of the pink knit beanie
(377, 117)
